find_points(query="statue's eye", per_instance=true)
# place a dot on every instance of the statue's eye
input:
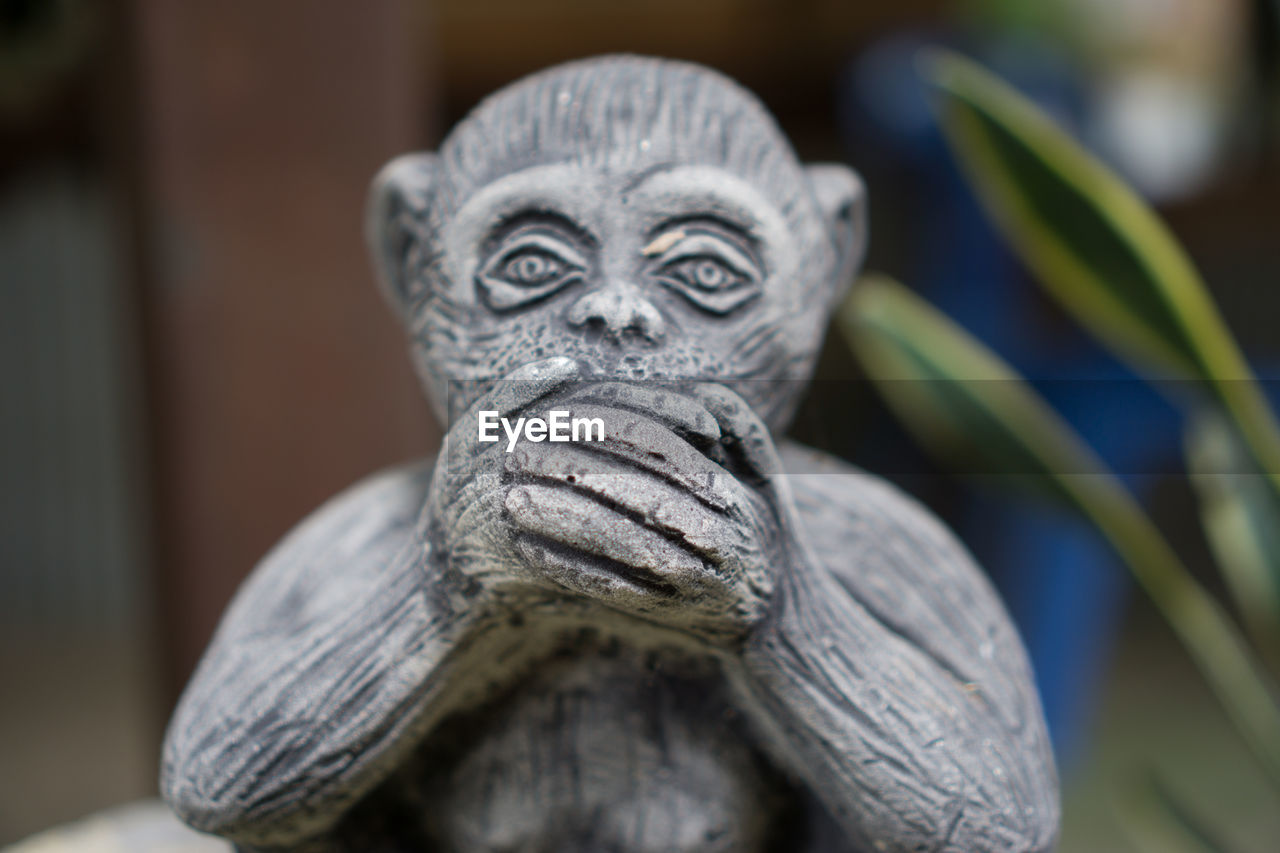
(704, 272)
(528, 269)
(531, 267)
(710, 272)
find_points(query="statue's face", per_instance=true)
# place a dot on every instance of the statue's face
(645, 218)
(670, 272)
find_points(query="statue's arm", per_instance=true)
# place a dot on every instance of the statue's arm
(892, 682)
(331, 655)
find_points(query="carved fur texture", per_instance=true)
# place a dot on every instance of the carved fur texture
(689, 635)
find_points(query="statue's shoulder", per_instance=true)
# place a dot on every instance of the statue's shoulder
(829, 490)
(350, 539)
(382, 505)
(903, 565)
(840, 504)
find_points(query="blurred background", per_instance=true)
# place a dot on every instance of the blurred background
(193, 355)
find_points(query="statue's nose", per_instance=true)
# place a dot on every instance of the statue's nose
(618, 310)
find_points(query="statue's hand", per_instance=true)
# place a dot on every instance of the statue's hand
(472, 548)
(674, 516)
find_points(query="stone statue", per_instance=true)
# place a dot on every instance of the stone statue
(678, 633)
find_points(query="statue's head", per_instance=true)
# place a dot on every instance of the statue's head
(642, 216)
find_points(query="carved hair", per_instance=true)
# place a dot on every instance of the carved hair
(628, 111)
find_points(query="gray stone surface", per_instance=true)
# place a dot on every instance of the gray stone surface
(690, 635)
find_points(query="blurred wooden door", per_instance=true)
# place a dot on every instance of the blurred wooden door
(276, 375)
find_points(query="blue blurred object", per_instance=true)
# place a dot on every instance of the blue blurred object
(1065, 588)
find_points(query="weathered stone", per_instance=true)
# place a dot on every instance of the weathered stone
(689, 635)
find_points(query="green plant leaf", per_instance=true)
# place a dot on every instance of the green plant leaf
(1096, 246)
(1241, 516)
(956, 397)
(1158, 821)
(959, 398)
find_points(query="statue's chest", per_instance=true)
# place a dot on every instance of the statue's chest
(603, 751)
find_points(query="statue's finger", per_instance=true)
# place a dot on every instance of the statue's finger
(648, 445)
(673, 409)
(716, 536)
(744, 436)
(508, 397)
(610, 545)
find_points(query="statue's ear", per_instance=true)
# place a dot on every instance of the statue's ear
(842, 198)
(396, 224)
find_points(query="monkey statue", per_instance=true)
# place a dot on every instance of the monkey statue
(679, 632)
